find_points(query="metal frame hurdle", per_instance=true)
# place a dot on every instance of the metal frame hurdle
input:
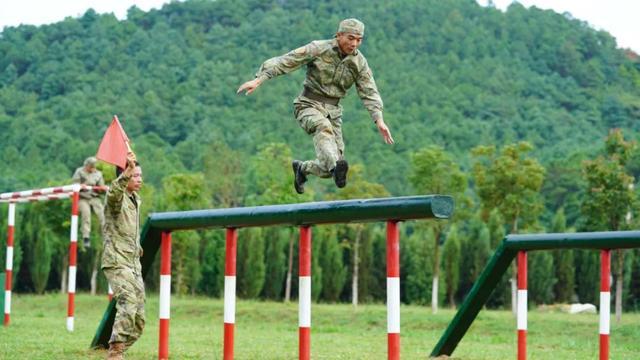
(517, 246)
(156, 235)
(46, 194)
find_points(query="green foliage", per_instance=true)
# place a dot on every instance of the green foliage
(250, 266)
(418, 263)
(563, 263)
(334, 273)
(212, 280)
(509, 181)
(541, 277)
(609, 194)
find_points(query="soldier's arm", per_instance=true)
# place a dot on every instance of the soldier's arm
(280, 65)
(115, 195)
(76, 177)
(288, 62)
(368, 93)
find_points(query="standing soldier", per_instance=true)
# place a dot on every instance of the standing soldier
(121, 257)
(89, 200)
(333, 66)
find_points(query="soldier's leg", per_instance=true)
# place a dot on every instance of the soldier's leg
(85, 217)
(123, 283)
(337, 130)
(98, 208)
(324, 141)
(139, 320)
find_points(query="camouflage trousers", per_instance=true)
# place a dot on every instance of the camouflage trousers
(85, 206)
(327, 139)
(128, 290)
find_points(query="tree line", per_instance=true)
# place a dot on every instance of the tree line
(440, 260)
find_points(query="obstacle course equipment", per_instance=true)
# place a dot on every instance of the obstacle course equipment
(156, 234)
(52, 193)
(514, 245)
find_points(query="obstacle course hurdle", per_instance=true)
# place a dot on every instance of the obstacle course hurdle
(514, 245)
(156, 234)
(52, 193)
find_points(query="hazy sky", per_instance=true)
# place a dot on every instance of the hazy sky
(618, 17)
(621, 18)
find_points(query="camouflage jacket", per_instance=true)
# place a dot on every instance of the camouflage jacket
(121, 227)
(81, 176)
(329, 73)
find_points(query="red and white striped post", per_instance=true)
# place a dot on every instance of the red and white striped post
(109, 293)
(393, 291)
(304, 294)
(522, 305)
(165, 295)
(230, 291)
(605, 302)
(9, 267)
(73, 256)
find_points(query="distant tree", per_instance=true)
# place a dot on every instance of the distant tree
(610, 196)
(563, 261)
(435, 172)
(185, 192)
(451, 263)
(509, 181)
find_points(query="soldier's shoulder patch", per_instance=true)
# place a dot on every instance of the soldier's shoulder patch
(300, 51)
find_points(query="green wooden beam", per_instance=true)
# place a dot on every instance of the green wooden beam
(499, 263)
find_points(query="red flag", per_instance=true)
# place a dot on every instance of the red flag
(115, 145)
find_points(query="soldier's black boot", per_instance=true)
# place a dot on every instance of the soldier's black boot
(299, 178)
(340, 173)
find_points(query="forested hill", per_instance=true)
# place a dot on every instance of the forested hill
(450, 72)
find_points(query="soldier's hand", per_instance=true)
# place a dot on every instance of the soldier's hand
(249, 86)
(131, 164)
(384, 131)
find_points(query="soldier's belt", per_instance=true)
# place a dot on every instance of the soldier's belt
(317, 97)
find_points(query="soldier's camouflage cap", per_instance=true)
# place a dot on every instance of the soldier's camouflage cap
(352, 26)
(90, 161)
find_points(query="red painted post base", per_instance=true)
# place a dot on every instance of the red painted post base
(522, 344)
(163, 348)
(304, 338)
(228, 341)
(393, 346)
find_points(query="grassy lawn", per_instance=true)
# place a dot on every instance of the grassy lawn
(267, 330)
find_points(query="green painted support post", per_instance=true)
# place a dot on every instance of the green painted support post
(500, 262)
(325, 212)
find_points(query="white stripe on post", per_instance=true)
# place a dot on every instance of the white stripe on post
(9, 258)
(72, 279)
(74, 228)
(230, 299)
(12, 214)
(7, 301)
(393, 305)
(304, 311)
(605, 312)
(70, 323)
(522, 309)
(165, 296)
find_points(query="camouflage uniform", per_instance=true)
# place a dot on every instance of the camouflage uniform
(121, 261)
(330, 73)
(89, 199)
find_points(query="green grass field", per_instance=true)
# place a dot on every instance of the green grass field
(267, 330)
